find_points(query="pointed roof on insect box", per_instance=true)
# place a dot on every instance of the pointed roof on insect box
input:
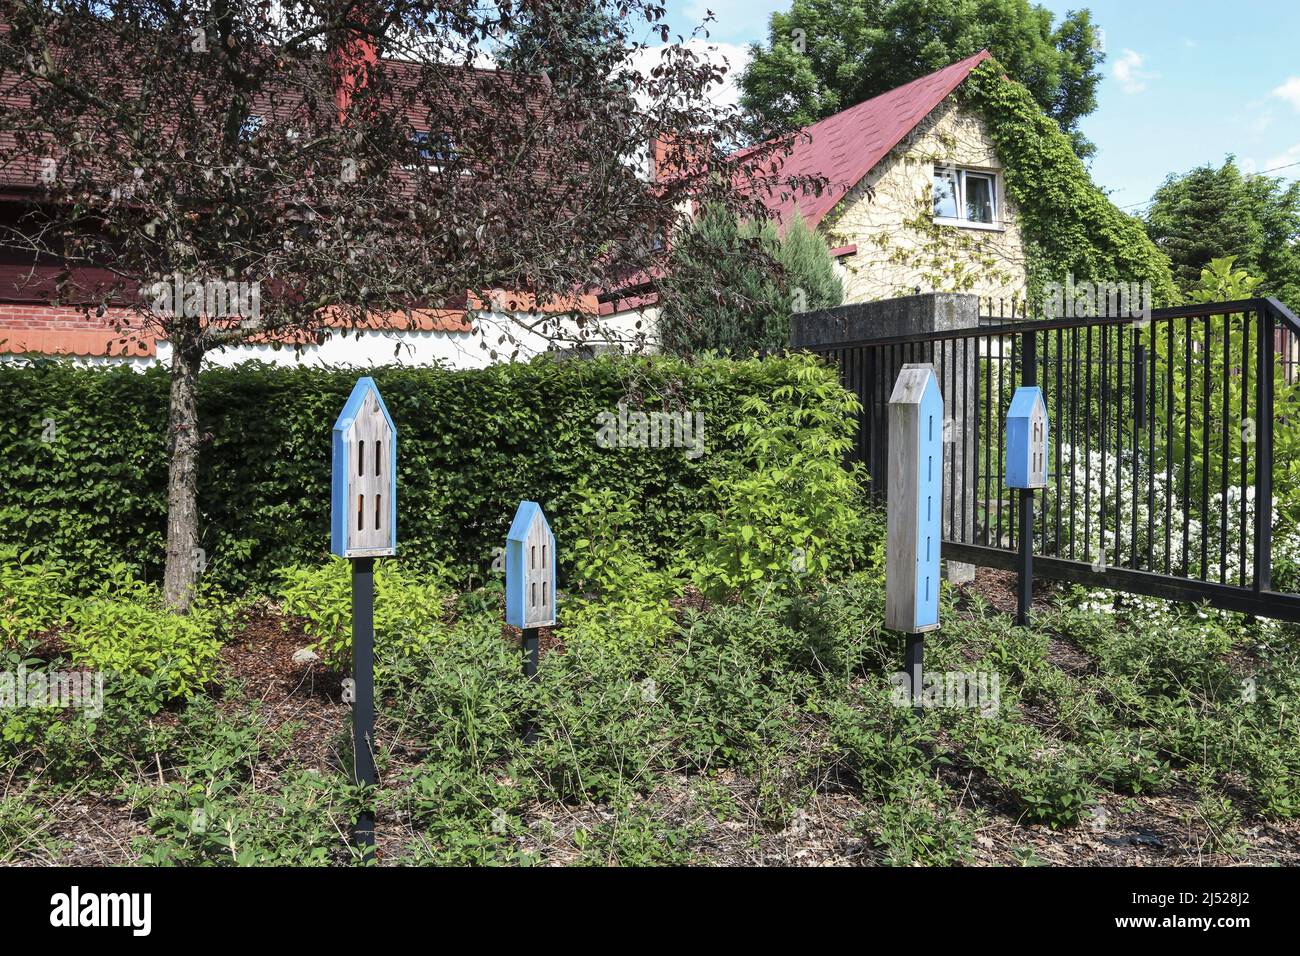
(914, 383)
(1024, 400)
(527, 511)
(365, 385)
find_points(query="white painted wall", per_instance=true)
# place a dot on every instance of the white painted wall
(528, 335)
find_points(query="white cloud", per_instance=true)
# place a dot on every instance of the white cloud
(1128, 70)
(1286, 158)
(733, 56)
(1290, 91)
(723, 95)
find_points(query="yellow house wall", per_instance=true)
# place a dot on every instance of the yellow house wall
(889, 217)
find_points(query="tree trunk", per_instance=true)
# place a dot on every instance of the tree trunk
(183, 556)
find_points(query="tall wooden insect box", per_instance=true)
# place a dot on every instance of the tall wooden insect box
(915, 501)
(1027, 439)
(530, 569)
(363, 516)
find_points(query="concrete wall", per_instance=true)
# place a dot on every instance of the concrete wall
(887, 318)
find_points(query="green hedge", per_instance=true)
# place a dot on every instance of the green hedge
(92, 489)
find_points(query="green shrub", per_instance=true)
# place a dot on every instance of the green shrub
(33, 599)
(25, 824)
(85, 749)
(297, 821)
(785, 505)
(1046, 779)
(910, 817)
(629, 597)
(730, 286)
(127, 628)
(122, 627)
(727, 704)
(600, 730)
(464, 817)
(460, 701)
(635, 838)
(409, 607)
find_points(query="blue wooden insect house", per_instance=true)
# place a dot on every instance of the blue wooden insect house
(530, 569)
(363, 513)
(1026, 465)
(915, 501)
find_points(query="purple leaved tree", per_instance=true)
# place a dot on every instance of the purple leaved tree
(247, 170)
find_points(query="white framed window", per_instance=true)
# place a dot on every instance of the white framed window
(251, 127)
(966, 197)
(431, 151)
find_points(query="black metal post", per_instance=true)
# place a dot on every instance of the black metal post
(913, 660)
(1263, 556)
(363, 676)
(1025, 584)
(1139, 389)
(530, 674)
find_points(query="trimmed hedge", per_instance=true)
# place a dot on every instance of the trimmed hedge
(83, 456)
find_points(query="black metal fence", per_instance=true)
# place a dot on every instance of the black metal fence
(1169, 450)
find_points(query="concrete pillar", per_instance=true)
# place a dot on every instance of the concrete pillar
(957, 364)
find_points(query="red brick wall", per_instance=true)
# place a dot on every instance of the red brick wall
(66, 330)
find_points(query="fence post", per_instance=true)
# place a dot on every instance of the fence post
(831, 332)
(1264, 452)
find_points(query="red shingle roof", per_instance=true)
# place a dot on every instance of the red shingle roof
(845, 147)
(37, 329)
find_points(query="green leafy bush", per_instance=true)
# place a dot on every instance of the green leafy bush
(785, 505)
(461, 699)
(888, 750)
(1048, 781)
(618, 595)
(635, 838)
(409, 608)
(296, 822)
(127, 628)
(33, 599)
(600, 733)
(217, 806)
(122, 626)
(464, 817)
(726, 705)
(730, 287)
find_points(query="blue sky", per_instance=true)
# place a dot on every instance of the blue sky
(1186, 82)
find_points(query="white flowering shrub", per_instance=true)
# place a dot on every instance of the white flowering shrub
(1110, 517)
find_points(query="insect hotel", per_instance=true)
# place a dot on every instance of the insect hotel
(1026, 465)
(915, 501)
(530, 569)
(363, 516)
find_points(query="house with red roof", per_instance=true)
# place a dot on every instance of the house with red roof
(916, 199)
(38, 318)
(915, 202)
